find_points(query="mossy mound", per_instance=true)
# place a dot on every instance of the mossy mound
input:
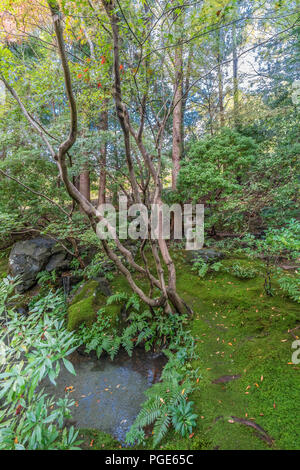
(86, 304)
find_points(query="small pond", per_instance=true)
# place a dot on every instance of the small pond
(108, 394)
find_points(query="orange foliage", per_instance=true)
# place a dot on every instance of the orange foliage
(20, 18)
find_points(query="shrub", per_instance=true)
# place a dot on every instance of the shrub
(35, 347)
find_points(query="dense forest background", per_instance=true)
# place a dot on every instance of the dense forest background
(221, 76)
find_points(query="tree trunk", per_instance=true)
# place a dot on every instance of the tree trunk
(103, 151)
(84, 184)
(177, 118)
(235, 79)
(220, 80)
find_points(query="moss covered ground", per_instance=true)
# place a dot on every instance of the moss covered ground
(239, 330)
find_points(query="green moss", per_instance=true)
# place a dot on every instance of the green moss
(93, 439)
(81, 312)
(240, 330)
(87, 290)
(85, 305)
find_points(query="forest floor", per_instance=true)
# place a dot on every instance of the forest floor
(248, 393)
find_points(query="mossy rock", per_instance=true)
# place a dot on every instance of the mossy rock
(86, 304)
(81, 312)
(85, 291)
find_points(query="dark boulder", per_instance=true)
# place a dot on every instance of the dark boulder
(104, 286)
(28, 258)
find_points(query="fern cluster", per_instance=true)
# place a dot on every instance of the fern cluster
(202, 268)
(143, 327)
(290, 286)
(167, 404)
(242, 272)
(99, 337)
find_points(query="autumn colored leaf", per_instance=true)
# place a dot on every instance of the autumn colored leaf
(18, 409)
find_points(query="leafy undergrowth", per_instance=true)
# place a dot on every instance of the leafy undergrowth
(3, 266)
(238, 331)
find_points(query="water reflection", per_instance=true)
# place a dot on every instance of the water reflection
(108, 394)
